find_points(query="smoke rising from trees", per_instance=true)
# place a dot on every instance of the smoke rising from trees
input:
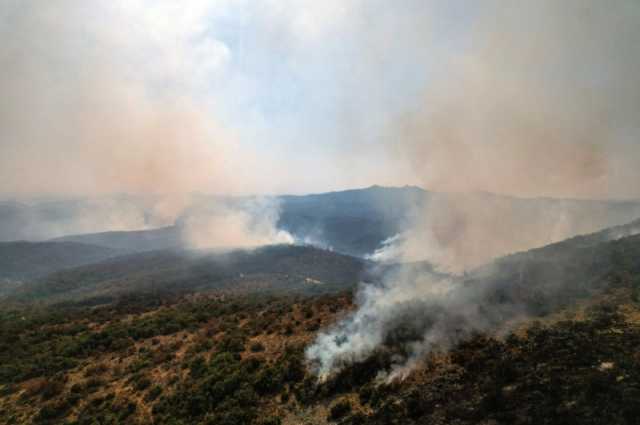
(543, 101)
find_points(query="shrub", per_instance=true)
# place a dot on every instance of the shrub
(271, 420)
(233, 343)
(340, 410)
(93, 370)
(268, 381)
(141, 382)
(256, 347)
(52, 388)
(53, 410)
(92, 384)
(308, 312)
(153, 393)
(313, 327)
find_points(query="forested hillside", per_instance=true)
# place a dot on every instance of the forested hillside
(237, 357)
(287, 268)
(29, 260)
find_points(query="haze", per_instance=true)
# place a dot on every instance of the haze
(162, 137)
(229, 97)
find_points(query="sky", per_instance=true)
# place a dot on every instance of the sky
(294, 96)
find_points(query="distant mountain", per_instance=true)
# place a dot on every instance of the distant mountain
(563, 271)
(28, 260)
(279, 267)
(353, 222)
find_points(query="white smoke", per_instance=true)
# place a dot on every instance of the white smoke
(245, 223)
(356, 337)
(389, 251)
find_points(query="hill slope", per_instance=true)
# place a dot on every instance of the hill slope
(548, 278)
(28, 260)
(280, 267)
(232, 358)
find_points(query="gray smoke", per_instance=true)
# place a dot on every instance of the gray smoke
(543, 101)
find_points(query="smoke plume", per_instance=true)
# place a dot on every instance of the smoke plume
(101, 99)
(243, 223)
(543, 101)
(83, 115)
